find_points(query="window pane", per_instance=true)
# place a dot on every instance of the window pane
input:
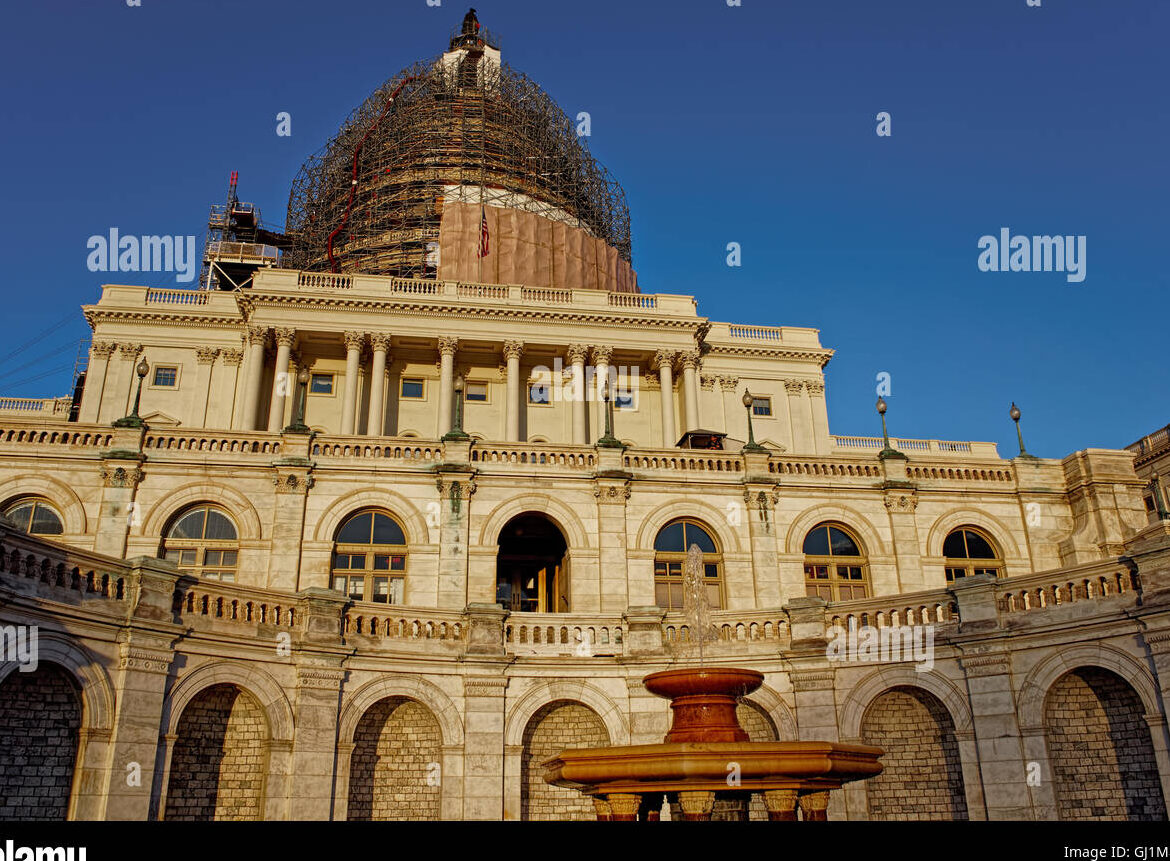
(977, 546)
(953, 546)
(386, 531)
(165, 376)
(22, 516)
(817, 542)
(842, 544)
(816, 572)
(189, 525)
(228, 576)
(219, 528)
(397, 563)
(713, 596)
(339, 584)
(711, 570)
(849, 572)
(357, 529)
(662, 595)
(956, 573)
(538, 394)
(397, 587)
(212, 557)
(381, 590)
(341, 561)
(229, 557)
(45, 521)
(412, 388)
(381, 562)
(697, 535)
(357, 588)
(659, 569)
(321, 384)
(187, 557)
(476, 392)
(762, 406)
(670, 539)
(676, 595)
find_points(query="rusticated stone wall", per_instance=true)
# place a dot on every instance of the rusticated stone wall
(394, 773)
(558, 726)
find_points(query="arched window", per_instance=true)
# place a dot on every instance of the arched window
(369, 558)
(670, 552)
(35, 516)
(203, 542)
(971, 551)
(835, 567)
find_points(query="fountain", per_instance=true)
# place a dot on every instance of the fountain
(707, 752)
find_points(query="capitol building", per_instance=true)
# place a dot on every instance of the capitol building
(393, 507)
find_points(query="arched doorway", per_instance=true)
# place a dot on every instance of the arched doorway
(560, 725)
(922, 776)
(395, 770)
(532, 573)
(1100, 750)
(219, 763)
(40, 723)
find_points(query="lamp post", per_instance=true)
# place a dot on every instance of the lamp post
(751, 445)
(134, 420)
(457, 433)
(887, 450)
(608, 440)
(1014, 412)
(298, 423)
(1159, 504)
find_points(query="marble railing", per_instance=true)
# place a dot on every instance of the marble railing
(208, 441)
(387, 626)
(59, 572)
(731, 628)
(408, 449)
(936, 607)
(916, 446)
(564, 634)
(1053, 589)
(17, 435)
(197, 601)
(491, 455)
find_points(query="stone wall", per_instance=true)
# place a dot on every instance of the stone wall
(556, 727)
(1099, 749)
(922, 777)
(391, 773)
(217, 770)
(40, 715)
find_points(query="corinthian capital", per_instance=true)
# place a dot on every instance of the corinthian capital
(257, 335)
(578, 354)
(354, 340)
(602, 355)
(513, 349)
(663, 359)
(102, 349)
(448, 345)
(690, 359)
(285, 337)
(380, 341)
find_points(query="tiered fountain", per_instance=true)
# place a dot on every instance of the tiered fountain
(706, 752)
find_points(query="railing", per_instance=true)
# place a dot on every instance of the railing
(647, 302)
(389, 622)
(935, 472)
(81, 436)
(731, 627)
(683, 459)
(482, 291)
(875, 443)
(1041, 591)
(324, 281)
(1153, 442)
(44, 406)
(756, 333)
(362, 447)
(175, 297)
(228, 603)
(241, 251)
(534, 455)
(211, 441)
(895, 611)
(62, 569)
(789, 466)
(546, 295)
(414, 286)
(554, 634)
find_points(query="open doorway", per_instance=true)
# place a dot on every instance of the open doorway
(531, 570)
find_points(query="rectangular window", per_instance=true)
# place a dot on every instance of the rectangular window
(357, 588)
(476, 392)
(166, 377)
(623, 400)
(339, 583)
(381, 590)
(413, 389)
(538, 394)
(321, 384)
(761, 406)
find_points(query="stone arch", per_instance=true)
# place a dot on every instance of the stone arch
(873, 685)
(41, 720)
(1040, 679)
(96, 691)
(714, 518)
(558, 512)
(922, 776)
(555, 726)
(269, 694)
(396, 745)
(61, 495)
(414, 524)
(773, 706)
(1100, 749)
(997, 529)
(218, 759)
(855, 520)
(409, 687)
(238, 505)
(576, 690)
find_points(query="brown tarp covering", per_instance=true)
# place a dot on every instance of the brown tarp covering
(528, 249)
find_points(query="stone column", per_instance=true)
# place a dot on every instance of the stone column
(129, 354)
(281, 379)
(814, 806)
(121, 473)
(375, 423)
(484, 695)
(612, 494)
(819, 415)
(354, 341)
(902, 503)
(601, 357)
(623, 806)
(201, 392)
(291, 480)
(222, 409)
(664, 361)
(798, 417)
(512, 353)
(781, 804)
(257, 339)
(760, 504)
(690, 366)
(696, 806)
(577, 354)
(144, 662)
(95, 381)
(455, 491)
(447, 348)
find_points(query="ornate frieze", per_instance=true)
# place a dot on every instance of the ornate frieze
(120, 476)
(901, 502)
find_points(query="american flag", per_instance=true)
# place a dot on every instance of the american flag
(483, 234)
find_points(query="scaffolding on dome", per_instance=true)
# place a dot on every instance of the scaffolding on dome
(460, 128)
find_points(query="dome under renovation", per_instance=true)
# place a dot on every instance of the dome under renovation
(461, 168)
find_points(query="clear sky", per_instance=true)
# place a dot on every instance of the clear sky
(753, 124)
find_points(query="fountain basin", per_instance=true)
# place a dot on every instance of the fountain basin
(703, 701)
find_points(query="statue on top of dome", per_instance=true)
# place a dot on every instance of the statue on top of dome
(470, 24)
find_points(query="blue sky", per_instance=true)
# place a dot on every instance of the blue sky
(752, 124)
